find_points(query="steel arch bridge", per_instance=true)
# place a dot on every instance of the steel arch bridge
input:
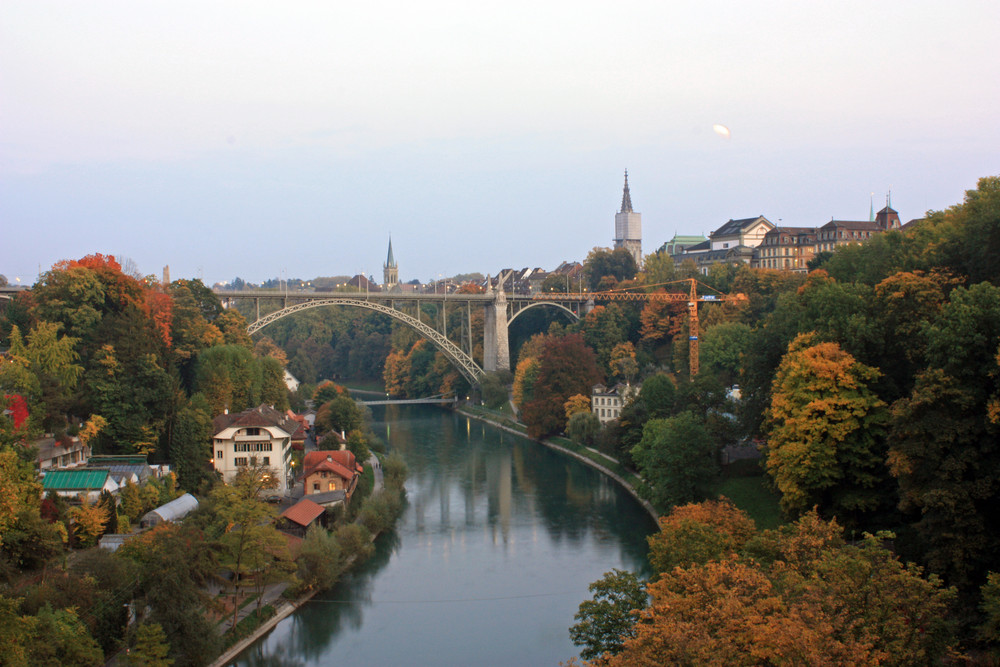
(465, 364)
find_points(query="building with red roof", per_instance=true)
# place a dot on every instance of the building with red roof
(325, 471)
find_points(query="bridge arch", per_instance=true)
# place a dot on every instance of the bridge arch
(544, 303)
(465, 364)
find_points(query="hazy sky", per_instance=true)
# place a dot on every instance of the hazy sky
(261, 138)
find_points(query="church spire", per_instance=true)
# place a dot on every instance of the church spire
(626, 197)
(390, 262)
(871, 212)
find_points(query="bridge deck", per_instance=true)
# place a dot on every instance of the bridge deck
(410, 401)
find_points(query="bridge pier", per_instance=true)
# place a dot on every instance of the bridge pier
(496, 349)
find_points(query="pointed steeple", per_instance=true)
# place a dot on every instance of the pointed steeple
(390, 262)
(390, 272)
(871, 212)
(626, 197)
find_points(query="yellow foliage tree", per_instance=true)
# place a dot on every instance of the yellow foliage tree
(88, 521)
(576, 404)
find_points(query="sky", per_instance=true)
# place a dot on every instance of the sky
(266, 139)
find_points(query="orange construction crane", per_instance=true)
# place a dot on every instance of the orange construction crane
(692, 299)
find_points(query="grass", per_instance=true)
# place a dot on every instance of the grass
(752, 496)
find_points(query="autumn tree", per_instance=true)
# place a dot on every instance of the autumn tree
(623, 364)
(798, 595)
(566, 367)
(826, 442)
(697, 533)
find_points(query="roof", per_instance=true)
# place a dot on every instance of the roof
(122, 466)
(697, 247)
(340, 462)
(74, 480)
(303, 512)
(328, 497)
(853, 224)
(736, 226)
(176, 509)
(261, 416)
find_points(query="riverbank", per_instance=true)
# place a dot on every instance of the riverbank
(506, 424)
(287, 607)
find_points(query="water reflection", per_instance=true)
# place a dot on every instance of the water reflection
(499, 541)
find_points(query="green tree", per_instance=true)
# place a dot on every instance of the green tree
(676, 458)
(60, 638)
(187, 558)
(602, 262)
(150, 649)
(605, 621)
(583, 428)
(826, 441)
(320, 561)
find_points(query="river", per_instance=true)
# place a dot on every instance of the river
(488, 564)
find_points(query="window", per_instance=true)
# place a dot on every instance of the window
(240, 461)
(218, 454)
(267, 460)
(253, 431)
(315, 486)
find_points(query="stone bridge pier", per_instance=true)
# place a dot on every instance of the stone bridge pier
(496, 349)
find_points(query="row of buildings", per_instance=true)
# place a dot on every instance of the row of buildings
(764, 245)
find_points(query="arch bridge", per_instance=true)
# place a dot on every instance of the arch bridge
(499, 310)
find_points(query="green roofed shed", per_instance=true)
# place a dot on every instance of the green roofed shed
(72, 483)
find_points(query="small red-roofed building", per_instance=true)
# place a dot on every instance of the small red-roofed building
(325, 471)
(301, 515)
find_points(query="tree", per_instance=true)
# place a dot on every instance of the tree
(695, 534)
(605, 621)
(826, 442)
(583, 428)
(944, 455)
(89, 521)
(187, 558)
(659, 393)
(798, 595)
(341, 414)
(623, 363)
(601, 262)
(19, 489)
(320, 559)
(189, 440)
(246, 533)
(151, 648)
(60, 638)
(576, 404)
(676, 458)
(566, 367)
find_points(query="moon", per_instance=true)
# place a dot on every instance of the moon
(721, 130)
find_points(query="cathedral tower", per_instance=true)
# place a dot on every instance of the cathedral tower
(628, 227)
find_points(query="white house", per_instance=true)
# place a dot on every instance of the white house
(261, 433)
(606, 404)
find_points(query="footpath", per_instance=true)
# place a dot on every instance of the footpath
(272, 595)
